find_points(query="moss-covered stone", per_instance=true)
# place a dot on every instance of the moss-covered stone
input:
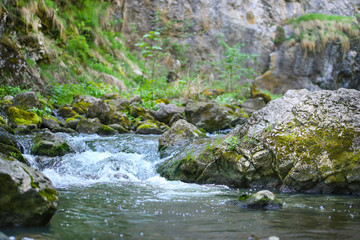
(106, 130)
(49, 194)
(48, 144)
(2, 121)
(20, 117)
(260, 200)
(149, 127)
(67, 112)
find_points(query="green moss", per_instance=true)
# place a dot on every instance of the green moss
(32, 183)
(2, 121)
(81, 107)
(322, 17)
(45, 148)
(106, 130)
(243, 197)
(21, 117)
(308, 146)
(50, 194)
(67, 112)
(73, 118)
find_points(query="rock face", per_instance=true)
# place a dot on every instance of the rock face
(30, 198)
(253, 23)
(303, 142)
(206, 115)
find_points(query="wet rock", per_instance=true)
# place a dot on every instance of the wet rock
(206, 115)
(180, 134)
(49, 144)
(9, 147)
(26, 100)
(167, 111)
(27, 197)
(260, 200)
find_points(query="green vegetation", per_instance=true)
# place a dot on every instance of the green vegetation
(232, 142)
(84, 54)
(234, 65)
(315, 30)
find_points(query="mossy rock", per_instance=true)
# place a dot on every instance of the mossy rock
(106, 130)
(20, 117)
(2, 121)
(67, 112)
(149, 127)
(81, 106)
(120, 129)
(49, 144)
(13, 152)
(260, 200)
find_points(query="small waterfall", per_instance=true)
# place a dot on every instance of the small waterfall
(99, 159)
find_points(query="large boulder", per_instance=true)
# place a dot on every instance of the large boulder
(167, 111)
(303, 142)
(27, 197)
(206, 115)
(49, 144)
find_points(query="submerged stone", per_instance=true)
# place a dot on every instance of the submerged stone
(260, 200)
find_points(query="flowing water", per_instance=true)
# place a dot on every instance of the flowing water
(109, 189)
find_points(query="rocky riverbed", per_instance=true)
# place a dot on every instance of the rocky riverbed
(304, 142)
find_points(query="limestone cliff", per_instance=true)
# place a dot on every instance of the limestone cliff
(254, 23)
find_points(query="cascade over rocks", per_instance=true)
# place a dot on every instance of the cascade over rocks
(49, 144)
(303, 142)
(30, 198)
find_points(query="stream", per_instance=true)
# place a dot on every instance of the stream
(109, 189)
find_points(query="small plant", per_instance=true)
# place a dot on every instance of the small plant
(234, 64)
(232, 142)
(150, 50)
(42, 112)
